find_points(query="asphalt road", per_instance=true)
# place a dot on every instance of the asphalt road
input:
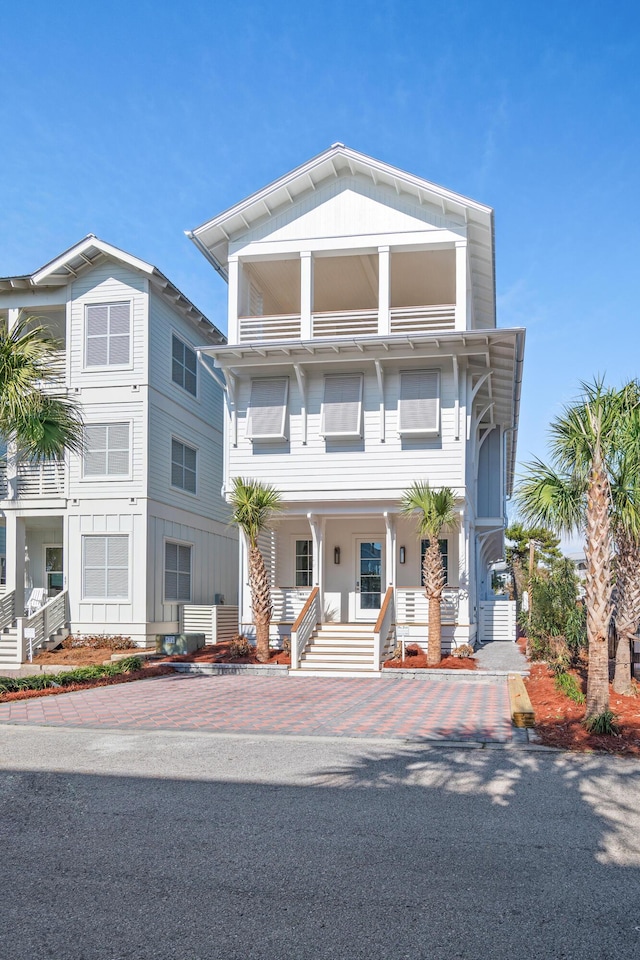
(177, 846)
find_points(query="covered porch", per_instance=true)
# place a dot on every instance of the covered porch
(347, 580)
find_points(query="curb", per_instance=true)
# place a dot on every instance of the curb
(227, 669)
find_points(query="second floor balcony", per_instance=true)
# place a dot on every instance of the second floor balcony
(311, 296)
(30, 479)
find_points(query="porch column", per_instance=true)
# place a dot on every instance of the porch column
(306, 295)
(16, 545)
(245, 614)
(384, 290)
(464, 585)
(234, 292)
(461, 285)
(390, 565)
(317, 538)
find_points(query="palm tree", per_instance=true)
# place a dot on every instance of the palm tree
(254, 504)
(434, 509)
(574, 493)
(40, 422)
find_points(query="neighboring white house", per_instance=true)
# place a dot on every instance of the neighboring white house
(118, 538)
(363, 354)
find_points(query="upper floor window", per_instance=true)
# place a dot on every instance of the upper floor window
(342, 406)
(108, 334)
(177, 572)
(183, 466)
(444, 553)
(184, 366)
(106, 450)
(419, 403)
(267, 410)
(304, 563)
(105, 567)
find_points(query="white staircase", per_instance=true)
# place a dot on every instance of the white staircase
(339, 649)
(9, 649)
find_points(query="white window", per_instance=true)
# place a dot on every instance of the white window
(342, 406)
(108, 334)
(106, 450)
(419, 406)
(177, 572)
(304, 563)
(105, 567)
(267, 410)
(184, 366)
(183, 466)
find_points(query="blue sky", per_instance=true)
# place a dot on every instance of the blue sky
(138, 120)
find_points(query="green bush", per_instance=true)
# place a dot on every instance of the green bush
(568, 684)
(41, 681)
(602, 723)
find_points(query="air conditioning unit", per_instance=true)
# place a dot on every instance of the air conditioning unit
(175, 643)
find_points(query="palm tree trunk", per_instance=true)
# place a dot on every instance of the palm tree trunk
(433, 576)
(598, 587)
(260, 601)
(434, 641)
(627, 610)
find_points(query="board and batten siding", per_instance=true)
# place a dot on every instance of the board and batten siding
(214, 566)
(108, 283)
(337, 467)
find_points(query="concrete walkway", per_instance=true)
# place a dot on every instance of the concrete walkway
(501, 655)
(428, 709)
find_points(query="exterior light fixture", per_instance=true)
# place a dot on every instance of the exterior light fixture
(336, 554)
(403, 554)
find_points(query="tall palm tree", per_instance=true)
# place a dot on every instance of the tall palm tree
(254, 505)
(574, 493)
(41, 422)
(435, 511)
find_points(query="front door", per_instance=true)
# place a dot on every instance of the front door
(53, 570)
(368, 579)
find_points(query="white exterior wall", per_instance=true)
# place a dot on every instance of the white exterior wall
(339, 468)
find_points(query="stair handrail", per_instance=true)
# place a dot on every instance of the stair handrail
(383, 627)
(7, 609)
(304, 625)
(34, 630)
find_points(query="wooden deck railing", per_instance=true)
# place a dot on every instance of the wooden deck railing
(383, 629)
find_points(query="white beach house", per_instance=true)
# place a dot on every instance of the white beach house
(118, 539)
(363, 354)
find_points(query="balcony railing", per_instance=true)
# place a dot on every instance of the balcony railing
(348, 323)
(44, 479)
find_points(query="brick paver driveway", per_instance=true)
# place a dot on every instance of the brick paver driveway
(311, 706)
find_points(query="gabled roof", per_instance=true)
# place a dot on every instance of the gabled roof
(213, 237)
(91, 251)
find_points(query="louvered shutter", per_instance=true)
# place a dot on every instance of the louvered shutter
(177, 572)
(119, 328)
(118, 449)
(108, 334)
(419, 405)
(106, 452)
(105, 567)
(342, 406)
(97, 349)
(117, 567)
(267, 410)
(94, 563)
(95, 450)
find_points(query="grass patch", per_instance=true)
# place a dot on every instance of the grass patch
(42, 681)
(568, 684)
(602, 723)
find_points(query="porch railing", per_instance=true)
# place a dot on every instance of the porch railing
(281, 327)
(35, 630)
(344, 323)
(383, 630)
(304, 626)
(413, 607)
(7, 610)
(43, 479)
(440, 316)
(288, 602)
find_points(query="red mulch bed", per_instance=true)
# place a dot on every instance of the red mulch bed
(219, 653)
(144, 674)
(559, 719)
(416, 659)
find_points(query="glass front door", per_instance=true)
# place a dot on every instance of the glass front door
(368, 579)
(53, 570)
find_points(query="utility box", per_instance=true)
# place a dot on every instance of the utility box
(173, 643)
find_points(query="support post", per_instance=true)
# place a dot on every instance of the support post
(16, 545)
(390, 563)
(384, 290)
(461, 285)
(233, 332)
(306, 295)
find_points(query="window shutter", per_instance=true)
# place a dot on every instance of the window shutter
(95, 450)
(118, 449)
(105, 567)
(106, 452)
(97, 335)
(267, 410)
(419, 406)
(117, 566)
(108, 334)
(177, 573)
(342, 406)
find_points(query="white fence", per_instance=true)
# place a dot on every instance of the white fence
(218, 622)
(412, 605)
(35, 630)
(497, 620)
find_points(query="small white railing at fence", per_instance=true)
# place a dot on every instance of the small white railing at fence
(43, 479)
(344, 323)
(283, 327)
(412, 605)
(287, 603)
(497, 620)
(440, 316)
(35, 630)
(7, 610)
(304, 626)
(218, 622)
(383, 631)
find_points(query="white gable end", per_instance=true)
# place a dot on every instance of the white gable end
(350, 207)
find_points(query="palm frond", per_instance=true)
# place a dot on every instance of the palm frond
(434, 507)
(254, 505)
(550, 498)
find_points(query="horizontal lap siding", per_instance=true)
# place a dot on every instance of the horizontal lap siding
(119, 408)
(350, 466)
(196, 421)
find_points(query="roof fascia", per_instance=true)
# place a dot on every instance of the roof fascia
(108, 249)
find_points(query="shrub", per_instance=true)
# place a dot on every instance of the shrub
(464, 650)
(286, 644)
(41, 681)
(131, 664)
(98, 641)
(602, 723)
(240, 647)
(568, 684)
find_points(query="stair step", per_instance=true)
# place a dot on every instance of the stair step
(333, 672)
(347, 627)
(354, 643)
(335, 657)
(357, 650)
